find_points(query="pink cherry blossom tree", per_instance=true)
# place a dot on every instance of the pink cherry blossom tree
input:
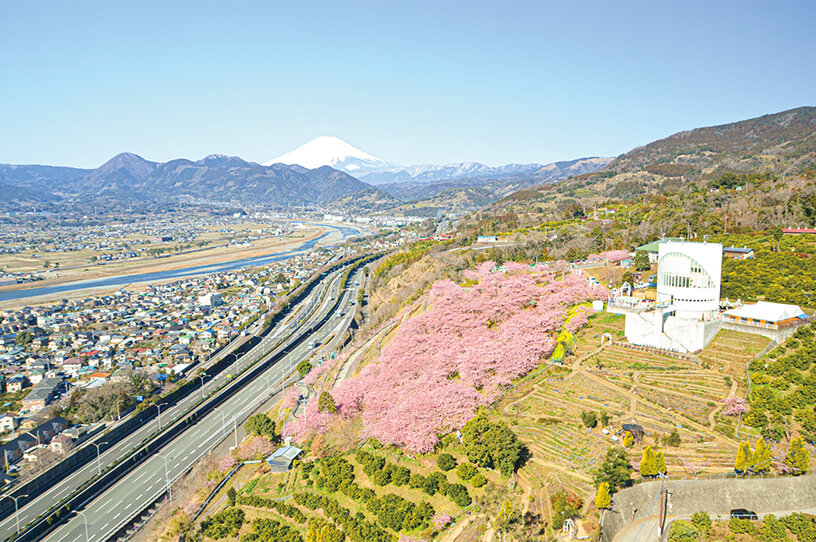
(734, 406)
(458, 355)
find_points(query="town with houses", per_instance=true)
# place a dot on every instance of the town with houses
(50, 352)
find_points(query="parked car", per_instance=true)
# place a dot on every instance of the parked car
(742, 513)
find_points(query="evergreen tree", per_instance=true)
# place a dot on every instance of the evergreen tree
(660, 462)
(642, 261)
(798, 457)
(761, 461)
(603, 499)
(615, 469)
(743, 460)
(672, 439)
(325, 403)
(648, 463)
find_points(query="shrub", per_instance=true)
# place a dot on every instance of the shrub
(400, 476)
(683, 531)
(466, 471)
(772, 529)
(446, 462)
(417, 481)
(478, 480)
(459, 495)
(701, 522)
(741, 526)
(223, 524)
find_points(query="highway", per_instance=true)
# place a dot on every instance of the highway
(310, 310)
(118, 505)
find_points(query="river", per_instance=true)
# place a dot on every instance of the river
(158, 276)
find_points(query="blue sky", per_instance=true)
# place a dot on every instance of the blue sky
(408, 81)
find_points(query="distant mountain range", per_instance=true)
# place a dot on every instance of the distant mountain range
(317, 173)
(334, 152)
(217, 178)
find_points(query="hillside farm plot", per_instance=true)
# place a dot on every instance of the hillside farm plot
(620, 357)
(730, 351)
(598, 325)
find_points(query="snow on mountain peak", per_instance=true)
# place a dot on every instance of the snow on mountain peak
(330, 151)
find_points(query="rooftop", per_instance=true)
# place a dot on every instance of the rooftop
(764, 310)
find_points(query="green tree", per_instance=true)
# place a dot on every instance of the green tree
(262, 425)
(304, 367)
(672, 439)
(466, 471)
(648, 462)
(231, 495)
(446, 461)
(615, 469)
(604, 418)
(603, 499)
(797, 457)
(478, 480)
(743, 459)
(23, 338)
(642, 261)
(628, 439)
(325, 403)
(660, 462)
(701, 522)
(491, 445)
(589, 418)
(761, 460)
(628, 278)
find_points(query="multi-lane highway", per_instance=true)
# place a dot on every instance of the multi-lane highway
(117, 506)
(314, 307)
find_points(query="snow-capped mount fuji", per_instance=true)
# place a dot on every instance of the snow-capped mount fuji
(333, 152)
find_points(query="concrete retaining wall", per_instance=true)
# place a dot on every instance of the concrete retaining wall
(685, 497)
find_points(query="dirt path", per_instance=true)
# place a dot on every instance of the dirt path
(663, 410)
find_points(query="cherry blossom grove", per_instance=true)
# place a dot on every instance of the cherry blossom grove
(458, 355)
(610, 255)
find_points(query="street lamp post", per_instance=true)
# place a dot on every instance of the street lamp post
(158, 407)
(202, 376)
(167, 478)
(16, 509)
(98, 463)
(235, 424)
(223, 421)
(82, 513)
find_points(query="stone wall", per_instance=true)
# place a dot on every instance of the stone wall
(716, 497)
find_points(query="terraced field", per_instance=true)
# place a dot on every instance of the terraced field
(730, 351)
(660, 392)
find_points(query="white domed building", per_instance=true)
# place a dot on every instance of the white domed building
(685, 318)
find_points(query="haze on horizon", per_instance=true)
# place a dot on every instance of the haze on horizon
(425, 82)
